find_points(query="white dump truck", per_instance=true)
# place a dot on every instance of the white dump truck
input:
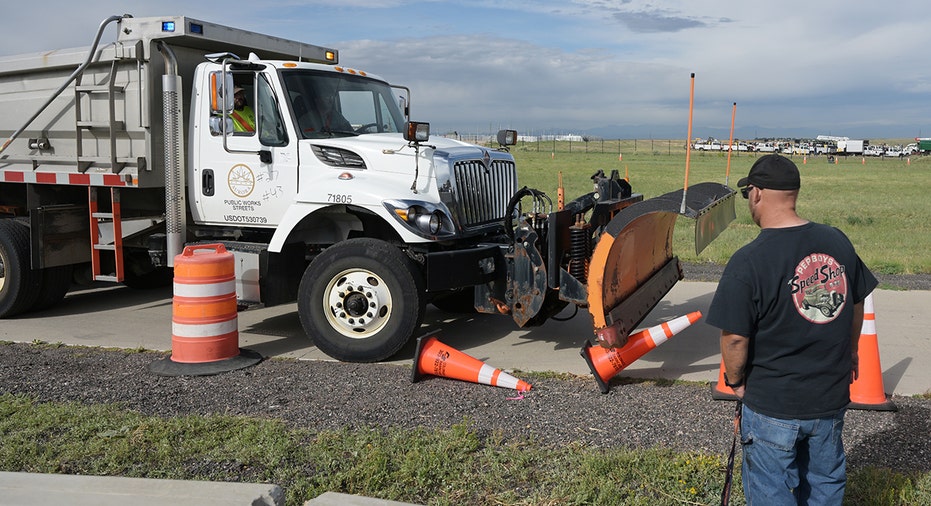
(120, 154)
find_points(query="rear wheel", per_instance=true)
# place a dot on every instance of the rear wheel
(54, 286)
(361, 300)
(19, 283)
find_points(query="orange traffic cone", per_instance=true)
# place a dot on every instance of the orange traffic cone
(434, 357)
(722, 392)
(867, 391)
(605, 363)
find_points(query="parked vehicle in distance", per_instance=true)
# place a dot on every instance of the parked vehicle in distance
(801, 149)
(894, 151)
(910, 149)
(709, 145)
(765, 147)
(736, 146)
(824, 148)
(873, 151)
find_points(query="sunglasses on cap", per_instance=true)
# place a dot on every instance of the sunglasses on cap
(745, 191)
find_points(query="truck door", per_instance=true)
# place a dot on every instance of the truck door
(253, 179)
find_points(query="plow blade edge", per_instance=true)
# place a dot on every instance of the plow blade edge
(633, 267)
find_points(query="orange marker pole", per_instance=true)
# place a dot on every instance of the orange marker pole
(730, 147)
(688, 143)
(560, 194)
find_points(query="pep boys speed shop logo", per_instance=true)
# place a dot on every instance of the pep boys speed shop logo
(819, 288)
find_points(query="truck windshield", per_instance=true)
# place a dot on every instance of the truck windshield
(330, 104)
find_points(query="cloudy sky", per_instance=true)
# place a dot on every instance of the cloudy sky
(604, 67)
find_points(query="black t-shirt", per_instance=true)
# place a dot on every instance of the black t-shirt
(791, 291)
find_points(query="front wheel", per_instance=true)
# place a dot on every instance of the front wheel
(361, 300)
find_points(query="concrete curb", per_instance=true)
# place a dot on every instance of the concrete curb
(337, 499)
(33, 489)
(37, 489)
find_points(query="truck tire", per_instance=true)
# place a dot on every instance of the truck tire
(361, 300)
(54, 286)
(19, 283)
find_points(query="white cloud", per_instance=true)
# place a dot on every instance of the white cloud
(580, 64)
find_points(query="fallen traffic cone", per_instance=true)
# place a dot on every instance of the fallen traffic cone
(605, 363)
(722, 392)
(867, 391)
(434, 357)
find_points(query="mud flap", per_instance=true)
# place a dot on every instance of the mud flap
(633, 267)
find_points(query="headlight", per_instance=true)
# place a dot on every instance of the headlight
(428, 223)
(426, 220)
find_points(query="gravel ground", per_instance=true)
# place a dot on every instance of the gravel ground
(330, 395)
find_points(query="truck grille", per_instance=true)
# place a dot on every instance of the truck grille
(482, 193)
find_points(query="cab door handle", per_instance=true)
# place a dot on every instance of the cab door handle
(207, 184)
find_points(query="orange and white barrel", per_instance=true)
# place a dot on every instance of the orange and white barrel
(204, 322)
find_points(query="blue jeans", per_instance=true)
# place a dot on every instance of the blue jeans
(792, 461)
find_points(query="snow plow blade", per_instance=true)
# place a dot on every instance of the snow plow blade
(632, 267)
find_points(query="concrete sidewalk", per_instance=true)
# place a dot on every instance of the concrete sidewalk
(33, 489)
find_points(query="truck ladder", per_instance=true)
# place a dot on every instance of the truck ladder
(102, 252)
(112, 126)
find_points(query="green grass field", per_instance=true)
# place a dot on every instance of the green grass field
(880, 204)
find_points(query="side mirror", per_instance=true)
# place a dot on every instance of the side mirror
(221, 92)
(416, 132)
(507, 137)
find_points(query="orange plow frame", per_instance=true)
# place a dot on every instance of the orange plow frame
(633, 267)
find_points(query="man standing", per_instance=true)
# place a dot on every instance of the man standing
(790, 309)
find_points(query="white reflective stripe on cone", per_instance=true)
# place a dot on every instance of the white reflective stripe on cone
(658, 335)
(486, 374)
(205, 289)
(204, 329)
(507, 381)
(869, 317)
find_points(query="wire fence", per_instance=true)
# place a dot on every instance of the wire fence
(574, 144)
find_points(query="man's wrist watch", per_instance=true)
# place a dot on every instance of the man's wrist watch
(733, 385)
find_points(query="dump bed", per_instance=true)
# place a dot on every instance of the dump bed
(106, 127)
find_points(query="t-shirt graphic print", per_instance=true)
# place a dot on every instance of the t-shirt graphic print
(819, 288)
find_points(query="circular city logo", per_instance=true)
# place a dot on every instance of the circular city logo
(819, 288)
(241, 180)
